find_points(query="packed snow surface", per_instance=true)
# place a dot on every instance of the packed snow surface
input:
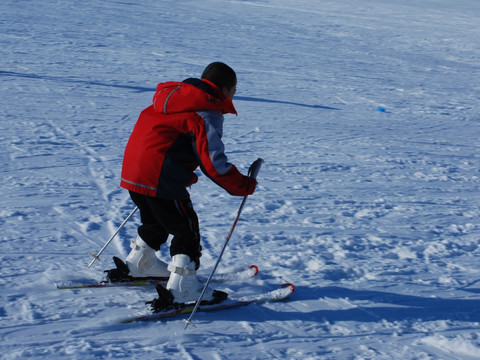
(367, 116)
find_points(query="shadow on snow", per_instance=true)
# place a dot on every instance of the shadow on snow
(149, 89)
(245, 98)
(381, 306)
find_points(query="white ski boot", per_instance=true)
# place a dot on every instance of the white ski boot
(142, 261)
(184, 285)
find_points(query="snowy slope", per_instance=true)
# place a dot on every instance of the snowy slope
(367, 116)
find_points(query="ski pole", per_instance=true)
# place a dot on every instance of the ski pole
(97, 256)
(252, 172)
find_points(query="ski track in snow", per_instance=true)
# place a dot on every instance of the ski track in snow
(366, 115)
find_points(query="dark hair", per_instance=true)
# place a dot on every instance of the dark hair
(221, 75)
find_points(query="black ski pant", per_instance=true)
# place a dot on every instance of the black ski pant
(161, 217)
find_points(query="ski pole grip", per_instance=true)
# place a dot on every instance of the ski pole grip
(255, 168)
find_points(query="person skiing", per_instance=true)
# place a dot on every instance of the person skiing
(178, 133)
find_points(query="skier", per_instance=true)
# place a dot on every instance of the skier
(180, 131)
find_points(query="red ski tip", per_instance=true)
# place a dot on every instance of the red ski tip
(290, 286)
(255, 267)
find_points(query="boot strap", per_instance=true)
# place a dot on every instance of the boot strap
(180, 271)
(135, 246)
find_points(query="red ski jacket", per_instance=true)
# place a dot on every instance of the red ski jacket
(179, 132)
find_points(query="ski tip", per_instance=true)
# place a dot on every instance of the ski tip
(290, 285)
(255, 269)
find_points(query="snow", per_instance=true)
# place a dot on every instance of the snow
(367, 116)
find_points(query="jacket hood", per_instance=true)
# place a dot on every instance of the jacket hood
(190, 95)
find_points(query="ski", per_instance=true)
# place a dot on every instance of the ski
(276, 295)
(238, 275)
